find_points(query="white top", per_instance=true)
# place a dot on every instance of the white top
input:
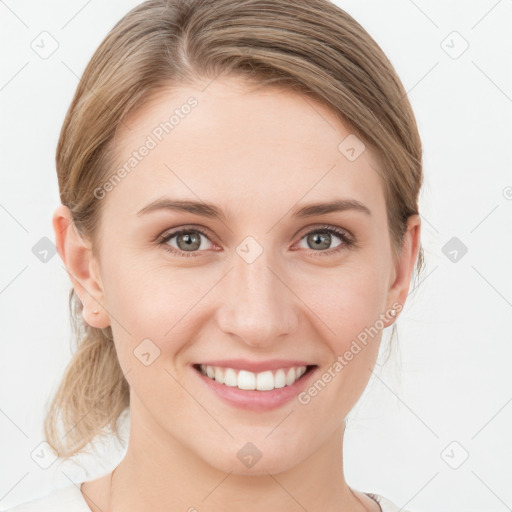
(70, 499)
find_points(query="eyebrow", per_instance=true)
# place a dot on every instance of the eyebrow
(212, 211)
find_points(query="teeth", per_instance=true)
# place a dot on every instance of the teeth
(263, 381)
(290, 376)
(246, 380)
(219, 375)
(230, 378)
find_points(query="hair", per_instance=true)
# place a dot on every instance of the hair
(309, 46)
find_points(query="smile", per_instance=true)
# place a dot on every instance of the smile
(268, 386)
(261, 381)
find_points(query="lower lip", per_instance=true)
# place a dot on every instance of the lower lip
(257, 400)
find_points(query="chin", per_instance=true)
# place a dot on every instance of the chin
(254, 457)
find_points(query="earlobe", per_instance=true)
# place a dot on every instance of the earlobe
(80, 264)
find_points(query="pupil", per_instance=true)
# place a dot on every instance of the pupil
(186, 241)
(321, 240)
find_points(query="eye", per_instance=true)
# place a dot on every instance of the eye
(322, 237)
(188, 241)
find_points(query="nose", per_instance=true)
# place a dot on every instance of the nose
(256, 305)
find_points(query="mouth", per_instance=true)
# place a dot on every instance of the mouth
(266, 380)
(255, 391)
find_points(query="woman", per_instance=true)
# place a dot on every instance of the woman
(239, 185)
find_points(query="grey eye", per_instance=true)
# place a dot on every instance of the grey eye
(189, 240)
(320, 240)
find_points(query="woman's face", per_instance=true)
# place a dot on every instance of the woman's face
(252, 280)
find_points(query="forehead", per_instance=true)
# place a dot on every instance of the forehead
(241, 148)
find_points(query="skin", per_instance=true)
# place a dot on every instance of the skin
(256, 155)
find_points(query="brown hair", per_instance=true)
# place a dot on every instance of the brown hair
(310, 46)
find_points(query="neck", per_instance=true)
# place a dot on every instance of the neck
(160, 473)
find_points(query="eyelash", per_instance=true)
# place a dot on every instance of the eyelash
(347, 242)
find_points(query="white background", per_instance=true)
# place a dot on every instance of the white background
(449, 381)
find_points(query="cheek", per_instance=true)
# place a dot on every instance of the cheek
(150, 309)
(348, 302)
(154, 302)
(349, 308)
(148, 295)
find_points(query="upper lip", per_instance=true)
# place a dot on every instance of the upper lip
(256, 366)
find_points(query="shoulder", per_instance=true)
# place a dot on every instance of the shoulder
(65, 499)
(385, 504)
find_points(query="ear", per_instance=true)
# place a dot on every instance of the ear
(82, 267)
(399, 287)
